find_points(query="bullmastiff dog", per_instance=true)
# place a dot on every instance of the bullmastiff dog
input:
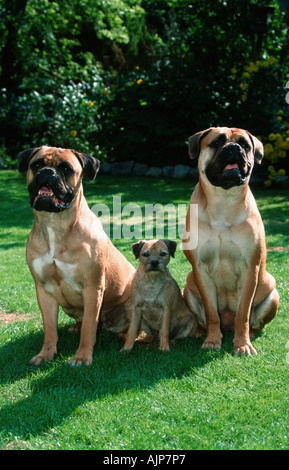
(72, 261)
(157, 305)
(228, 287)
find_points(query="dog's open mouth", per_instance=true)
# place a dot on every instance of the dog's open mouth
(230, 175)
(45, 194)
(231, 166)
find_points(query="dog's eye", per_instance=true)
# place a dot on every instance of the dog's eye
(37, 164)
(163, 253)
(245, 146)
(146, 254)
(220, 140)
(65, 168)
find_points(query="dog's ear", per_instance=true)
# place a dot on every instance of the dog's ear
(136, 247)
(24, 158)
(172, 246)
(89, 164)
(195, 141)
(258, 148)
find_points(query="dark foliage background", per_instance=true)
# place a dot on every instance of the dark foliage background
(133, 79)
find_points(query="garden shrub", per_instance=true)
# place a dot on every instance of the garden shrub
(133, 79)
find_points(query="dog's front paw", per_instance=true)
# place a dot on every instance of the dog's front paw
(81, 359)
(246, 349)
(211, 345)
(164, 346)
(126, 347)
(45, 356)
(213, 341)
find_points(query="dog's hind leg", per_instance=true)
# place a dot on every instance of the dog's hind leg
(264, 312)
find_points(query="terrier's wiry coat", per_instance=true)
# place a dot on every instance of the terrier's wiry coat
(157, 305)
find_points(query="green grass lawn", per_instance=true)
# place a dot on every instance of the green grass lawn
(145, 399)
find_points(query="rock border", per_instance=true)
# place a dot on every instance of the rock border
(141, 169)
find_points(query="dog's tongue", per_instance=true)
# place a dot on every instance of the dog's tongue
(231, 166)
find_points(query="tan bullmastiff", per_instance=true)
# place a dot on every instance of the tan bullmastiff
(72, 261)
(224, 240)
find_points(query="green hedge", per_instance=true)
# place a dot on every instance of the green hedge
(133, 79)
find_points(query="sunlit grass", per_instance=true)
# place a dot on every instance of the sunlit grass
(146, 399)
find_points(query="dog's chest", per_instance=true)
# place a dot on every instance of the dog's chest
(55, 274)
(223, 255)
(150, 300)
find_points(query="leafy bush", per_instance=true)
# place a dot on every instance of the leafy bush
(195, 79)
(133, 79)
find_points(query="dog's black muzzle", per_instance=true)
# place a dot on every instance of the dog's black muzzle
(229, 167)
(49, 191)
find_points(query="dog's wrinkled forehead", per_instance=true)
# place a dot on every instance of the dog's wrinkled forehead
(216, 137)
(224, 135)
(53, 156)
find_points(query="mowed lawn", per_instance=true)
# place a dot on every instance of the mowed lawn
(186, 399)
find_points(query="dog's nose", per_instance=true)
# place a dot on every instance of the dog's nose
(233, 149)
(154, 263)
(47, 172)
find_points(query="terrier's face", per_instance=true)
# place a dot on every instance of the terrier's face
(154, 255)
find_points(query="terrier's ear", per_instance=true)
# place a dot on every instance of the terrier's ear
(172, 246)
(136, 247)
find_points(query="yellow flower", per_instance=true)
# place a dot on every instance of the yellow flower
(279, 118)
(268, 149)
(243, 97)
(244, 86)
(281, 172)
(246, 75)
(285, 145)
(267, 183)
(252, 67)
(272, 137)
(271, 168)
(139, 81)
(234, 70)
(280, 111)
(73, 133)
(90, 103)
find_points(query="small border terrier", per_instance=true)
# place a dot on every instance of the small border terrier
(157, 306)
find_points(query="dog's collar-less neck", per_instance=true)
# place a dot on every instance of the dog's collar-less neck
(220, 201)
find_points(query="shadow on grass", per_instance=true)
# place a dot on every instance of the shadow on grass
(53, 391)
